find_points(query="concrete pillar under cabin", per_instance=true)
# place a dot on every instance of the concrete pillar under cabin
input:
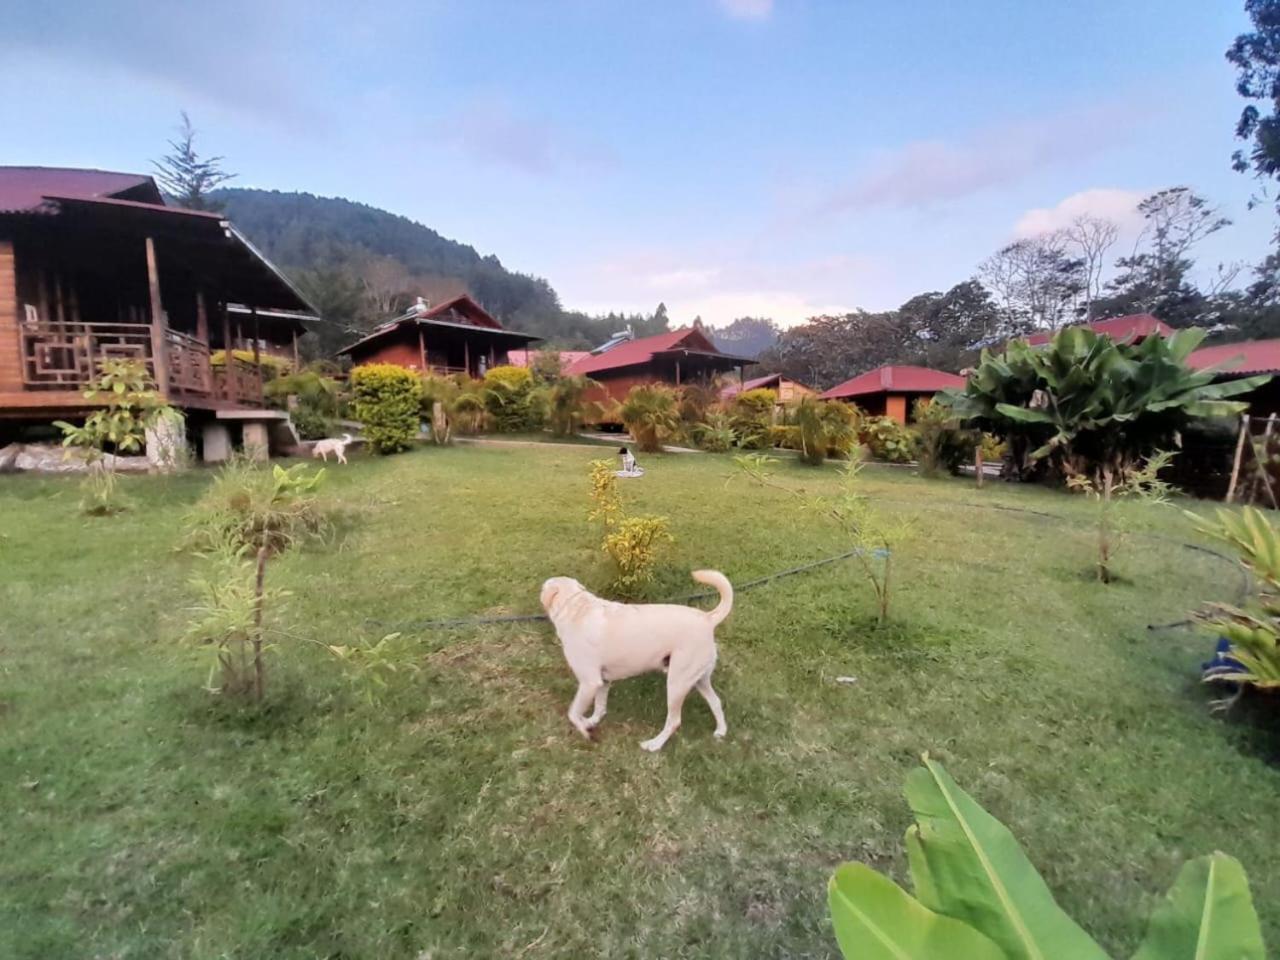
(216, 443)
(167, 444)
(257, 443)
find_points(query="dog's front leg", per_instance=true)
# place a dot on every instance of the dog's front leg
(602, 702)
(586, 691)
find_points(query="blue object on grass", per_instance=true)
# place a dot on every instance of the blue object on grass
(1222, 662)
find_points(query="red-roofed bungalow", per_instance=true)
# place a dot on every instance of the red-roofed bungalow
(677, 357)
(1245, 358)
(457, 336)
(1131, 328)
(788, 390)
(891, 390)
(95, 265)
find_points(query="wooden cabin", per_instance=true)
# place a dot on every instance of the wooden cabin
(676, 358)
(788, 390)
(1130, 328)
(457, 336)
(891, 391)
(95, 265)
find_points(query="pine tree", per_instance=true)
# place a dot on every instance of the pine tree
(186, 177)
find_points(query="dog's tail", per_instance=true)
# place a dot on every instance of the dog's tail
(714, 578)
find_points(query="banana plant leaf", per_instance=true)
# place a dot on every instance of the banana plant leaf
(975, 871)
(1208, 915)
(875, 919)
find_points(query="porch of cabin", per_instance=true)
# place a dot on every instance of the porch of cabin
(71, 298)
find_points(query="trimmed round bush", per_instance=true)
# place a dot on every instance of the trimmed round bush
(386, 399)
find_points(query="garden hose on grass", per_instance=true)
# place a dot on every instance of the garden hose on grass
(461, 622)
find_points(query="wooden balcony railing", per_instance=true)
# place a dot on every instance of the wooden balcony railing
(67, 356)
(237, 380)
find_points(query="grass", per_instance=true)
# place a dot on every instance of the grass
(459, 817)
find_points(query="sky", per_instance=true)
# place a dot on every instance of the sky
(777, 158)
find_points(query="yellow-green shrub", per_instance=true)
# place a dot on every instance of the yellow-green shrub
(888, 440)
(752, 417)
(386, 399)
(785, 436)
(513, 400)
(634, 545)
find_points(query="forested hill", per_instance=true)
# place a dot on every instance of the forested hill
(361, 265)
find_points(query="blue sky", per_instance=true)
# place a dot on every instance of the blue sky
(728, 157)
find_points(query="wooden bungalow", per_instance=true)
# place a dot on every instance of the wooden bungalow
(788, 390)
(94, 265)
(457, 336)
(677, 357)
(1130, 328)
(891, 391)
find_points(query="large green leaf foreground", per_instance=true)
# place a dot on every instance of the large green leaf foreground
(978, 897)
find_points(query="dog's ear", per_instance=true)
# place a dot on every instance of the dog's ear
(550, 590)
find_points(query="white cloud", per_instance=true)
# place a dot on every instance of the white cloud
(683, 279)
(1109, 203)
(747, 9)
(786, 307)
(924, 173)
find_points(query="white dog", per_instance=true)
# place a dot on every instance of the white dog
(338, 447)
(605, 641)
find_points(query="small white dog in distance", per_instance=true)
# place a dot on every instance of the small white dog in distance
(605, 641)
(337, 446)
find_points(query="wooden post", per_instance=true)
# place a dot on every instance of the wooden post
(257, 355)
(228, 361)
(493, 357)
(422, 350)
(1262, 462)
(297, 360)
(1235, 466)
(159, 339)
(677, 373)
(202, 319)
(977, 464)
(466, 357)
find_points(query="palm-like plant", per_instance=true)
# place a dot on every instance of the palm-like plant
(566, 404)
(651, 414)
(1084, 403)
(826, 427)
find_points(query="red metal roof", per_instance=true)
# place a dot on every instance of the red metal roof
(635, 352)
(895, 379)
(25, 189)
(1244, 357)
(1132, 326)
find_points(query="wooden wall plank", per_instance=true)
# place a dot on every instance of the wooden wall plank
(10, 361)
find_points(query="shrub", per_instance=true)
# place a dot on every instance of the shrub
(978, 897)
(232, 600)
(785, 436)
(825, 428)
(514, 402)
(319, 401)
(250, 506)
(272, 366)
(716, 435)
(696, 399)
(993, 448)
(888, 440)
(943, 443)
(650, 414)
(1253, 630)
(566, 407)
(133, 406)
(753, 412)
(386, 400)
(634, 545)
(546, 366)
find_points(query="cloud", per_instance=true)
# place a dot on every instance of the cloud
(925, 173)
(493, 132)
(1109, 203)
(747, 9)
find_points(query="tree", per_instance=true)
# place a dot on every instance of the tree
(746, 336)
(1256, 57)
(187, 177)
(1091, 237)
(1153, 279)
(1036, 282)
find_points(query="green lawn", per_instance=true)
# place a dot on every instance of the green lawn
(460, 817)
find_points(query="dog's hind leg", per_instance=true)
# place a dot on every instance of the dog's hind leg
(602, 702)
(586, 691)
(678, 687)
(342, 456)
(713, 701)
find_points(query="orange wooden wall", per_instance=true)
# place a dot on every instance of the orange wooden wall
(10, 362)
